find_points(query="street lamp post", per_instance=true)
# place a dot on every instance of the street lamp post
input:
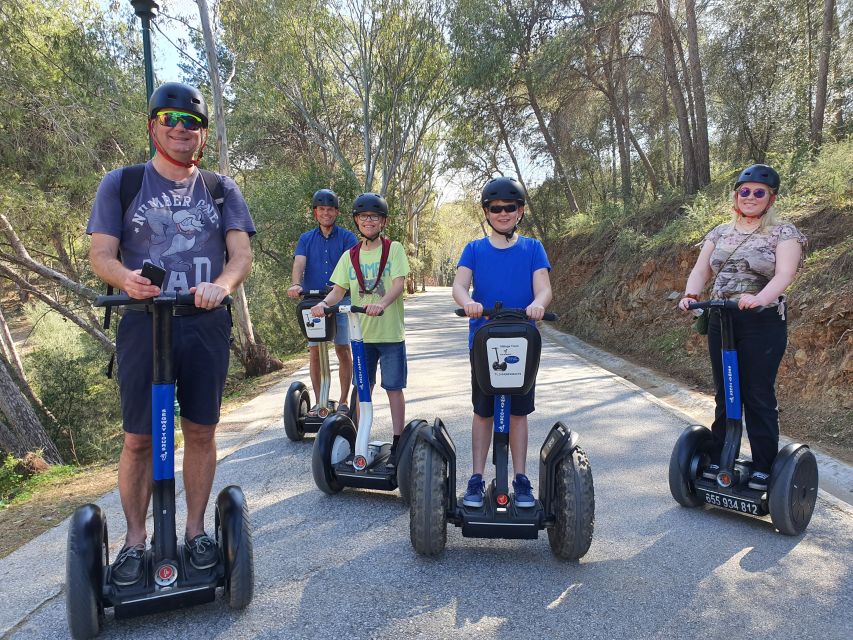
(147, 10)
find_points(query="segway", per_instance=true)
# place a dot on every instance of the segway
(169, 580)
(296, 420)
(344, 456)
(566, 504)
(792, 486)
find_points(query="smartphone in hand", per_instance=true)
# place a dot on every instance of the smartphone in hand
(154, 273)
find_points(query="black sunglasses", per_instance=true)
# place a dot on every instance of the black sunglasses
(497, 208)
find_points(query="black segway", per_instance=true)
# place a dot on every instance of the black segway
(345, 456)
(566, 504)
(169, 580)
(792, 487)
(297, 402)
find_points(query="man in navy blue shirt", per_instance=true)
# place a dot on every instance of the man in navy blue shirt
(316, 255)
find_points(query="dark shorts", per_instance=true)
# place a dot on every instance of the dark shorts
(484, 405)
(392, 355)
(200, 346)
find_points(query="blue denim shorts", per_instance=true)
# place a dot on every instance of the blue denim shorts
(200, 350)
(342, 330)
(392, 355)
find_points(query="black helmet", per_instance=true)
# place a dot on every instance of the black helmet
(325, 198)
(760, 173)
(178, 96)
(370, 203)
(503, 188)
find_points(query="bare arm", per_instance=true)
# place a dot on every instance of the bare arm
(542, 294)
(788, 254)
(332, 298)
(461, 286)
(103, 256)
(209, 294)
(699, 276)
(295, 288)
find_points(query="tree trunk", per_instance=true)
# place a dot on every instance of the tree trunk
(24, 431)
(551, 146)
(256, 359)
(816, 137)
(688, 154)
(703, 154)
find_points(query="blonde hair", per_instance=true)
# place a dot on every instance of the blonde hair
(770, 219)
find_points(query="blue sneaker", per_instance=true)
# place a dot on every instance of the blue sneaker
(474, 494)
(523, 492)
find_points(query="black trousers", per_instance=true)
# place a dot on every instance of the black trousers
(760, 340)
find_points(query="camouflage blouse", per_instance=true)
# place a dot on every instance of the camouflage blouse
(753, 263)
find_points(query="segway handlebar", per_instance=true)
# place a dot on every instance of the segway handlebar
(508, 311)
(713, 304)
(315, 293)
(179, 299)
(344, 308)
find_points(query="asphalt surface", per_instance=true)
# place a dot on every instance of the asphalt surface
(343, 566)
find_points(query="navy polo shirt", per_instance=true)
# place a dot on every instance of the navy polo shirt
(322, 254)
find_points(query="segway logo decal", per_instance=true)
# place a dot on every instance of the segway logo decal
(502, 404)
(315, 328)
(359, 360)
(166, 575)
(731, 382)
(507, 360)
(163, 430)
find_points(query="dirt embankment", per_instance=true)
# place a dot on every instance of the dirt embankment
(623, 299)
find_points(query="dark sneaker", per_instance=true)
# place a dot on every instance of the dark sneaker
(523, 492)
(711, 471)
(203, 551)
(474, 494)
(758, 481)
(128, 565)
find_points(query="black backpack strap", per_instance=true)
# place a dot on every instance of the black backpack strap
(213, 182)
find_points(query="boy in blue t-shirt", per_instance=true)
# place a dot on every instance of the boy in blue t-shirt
(512, 269)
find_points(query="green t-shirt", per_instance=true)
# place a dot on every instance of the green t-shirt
(389, 326)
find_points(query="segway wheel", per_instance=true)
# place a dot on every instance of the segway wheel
(297, 402)
(571, 535)
(694, 441)
(405, 448)
(234, 535)
(87, 555)
(793, 492)
(428, 510)
(334, 443)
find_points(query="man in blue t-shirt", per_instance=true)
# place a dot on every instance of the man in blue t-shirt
(317, 253)
(512, 269)
(173, 223)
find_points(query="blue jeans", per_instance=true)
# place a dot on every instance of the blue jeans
(392, 355)
(760, 339)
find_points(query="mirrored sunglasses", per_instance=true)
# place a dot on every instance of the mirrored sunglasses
(744, 192)
(497, 208)
(171, 119)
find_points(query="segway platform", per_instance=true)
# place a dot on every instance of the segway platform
(495, 521)
(377, 475)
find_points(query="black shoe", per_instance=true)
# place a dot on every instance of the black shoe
(128, 565)
(203, 551)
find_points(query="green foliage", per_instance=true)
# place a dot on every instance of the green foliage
(66, 369)
(11, 478)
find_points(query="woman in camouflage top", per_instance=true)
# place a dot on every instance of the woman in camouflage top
(752, 259)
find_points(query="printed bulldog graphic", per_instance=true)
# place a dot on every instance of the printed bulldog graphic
(175, 236)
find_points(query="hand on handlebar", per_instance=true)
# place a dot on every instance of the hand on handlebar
(749, 301)
(535, 311)
(682, 304)
(319, 309)
(208, 295)
(374, 309)
(294, 291)
(473, 309)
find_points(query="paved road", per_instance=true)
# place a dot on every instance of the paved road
(342, 566)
